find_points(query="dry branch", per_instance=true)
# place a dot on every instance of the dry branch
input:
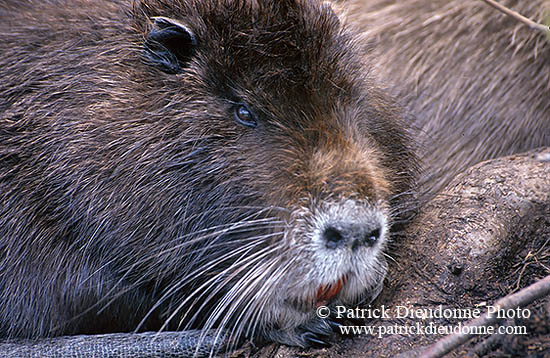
(519, 299)
(534, 25)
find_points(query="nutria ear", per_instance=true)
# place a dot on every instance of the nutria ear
(169, 45)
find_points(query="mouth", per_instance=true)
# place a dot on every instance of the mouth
(325, 293)
(323, 296)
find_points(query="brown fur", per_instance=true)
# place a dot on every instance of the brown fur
(477, 80)
(130, 198)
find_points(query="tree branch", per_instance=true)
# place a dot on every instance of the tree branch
(519, 299)
(534, 25)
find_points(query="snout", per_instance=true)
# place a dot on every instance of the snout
(350, 226)
(344, 256)
(350, 234)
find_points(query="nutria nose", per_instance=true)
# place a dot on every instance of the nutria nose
(351, 234)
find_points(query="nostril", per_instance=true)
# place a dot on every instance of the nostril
(353, 235)
(333, 238)
(367, 239)
(371, 237)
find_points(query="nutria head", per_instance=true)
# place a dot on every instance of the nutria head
(232, 166)
(293, 156)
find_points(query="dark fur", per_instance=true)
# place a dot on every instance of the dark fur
(123, 188)
(477, 80)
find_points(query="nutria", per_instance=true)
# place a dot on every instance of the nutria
(178, 164)
(477, 80)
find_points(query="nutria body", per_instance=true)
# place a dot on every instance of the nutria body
(477, 81)
(177, 164)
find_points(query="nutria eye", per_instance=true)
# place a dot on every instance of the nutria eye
(244, 116)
